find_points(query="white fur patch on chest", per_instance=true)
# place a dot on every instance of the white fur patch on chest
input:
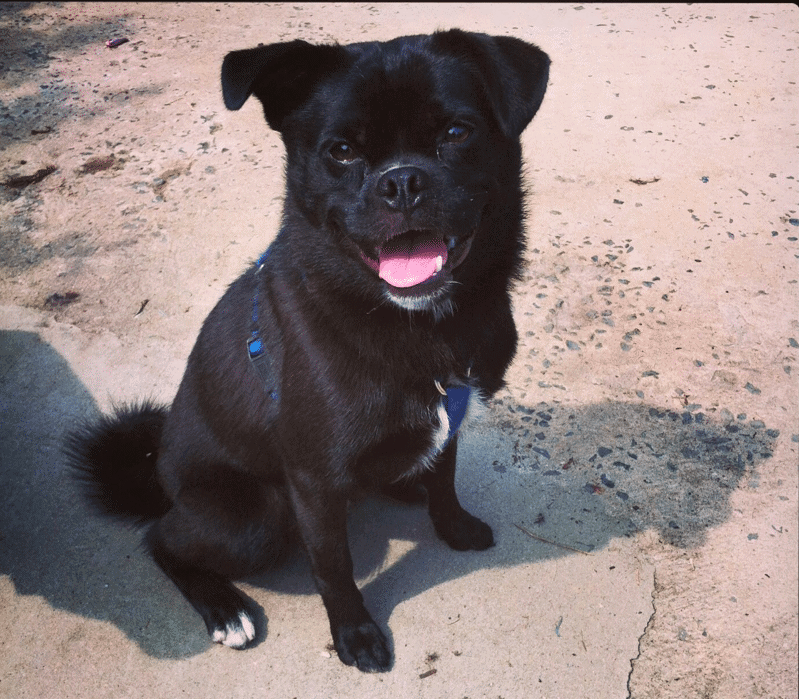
(440, 433)
(441, 430)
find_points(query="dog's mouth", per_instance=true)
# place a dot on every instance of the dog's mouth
(416, 257)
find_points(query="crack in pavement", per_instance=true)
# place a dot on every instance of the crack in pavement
(645, 631)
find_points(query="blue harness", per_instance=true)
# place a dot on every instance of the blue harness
(259, 357)
(456, 401)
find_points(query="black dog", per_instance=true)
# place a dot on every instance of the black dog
(345, 359)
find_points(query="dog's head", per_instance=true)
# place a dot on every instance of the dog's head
(403, 157)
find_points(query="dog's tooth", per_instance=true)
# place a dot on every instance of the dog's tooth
(439, 263)
(450, 242)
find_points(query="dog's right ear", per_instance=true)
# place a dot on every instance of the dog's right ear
(281, 76)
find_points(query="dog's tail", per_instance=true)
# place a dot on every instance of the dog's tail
(114, 460)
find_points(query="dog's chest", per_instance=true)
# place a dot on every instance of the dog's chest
(451, 410)
(456, 405)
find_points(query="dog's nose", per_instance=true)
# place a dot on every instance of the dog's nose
(402, 188)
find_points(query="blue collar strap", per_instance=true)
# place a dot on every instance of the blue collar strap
(256, 349)
(456, 400)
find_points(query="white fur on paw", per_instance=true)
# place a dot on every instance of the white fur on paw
(237, 634)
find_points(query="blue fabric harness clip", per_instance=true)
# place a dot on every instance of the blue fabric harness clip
(256, 350)
(456, 402)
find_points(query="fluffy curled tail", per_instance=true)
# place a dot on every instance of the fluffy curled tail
(114, 460)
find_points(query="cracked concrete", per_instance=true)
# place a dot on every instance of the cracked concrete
(648, 626)
(650, 420)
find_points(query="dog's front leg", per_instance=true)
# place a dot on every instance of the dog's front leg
(322, 521)
(457, 527)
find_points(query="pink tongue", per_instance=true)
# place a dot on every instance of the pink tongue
(410, 260)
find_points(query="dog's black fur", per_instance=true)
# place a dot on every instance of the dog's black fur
(398, 141)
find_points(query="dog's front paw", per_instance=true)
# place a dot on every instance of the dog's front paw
(362, 645)
(465, 532)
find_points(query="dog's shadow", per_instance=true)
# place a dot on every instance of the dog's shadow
(550, 480)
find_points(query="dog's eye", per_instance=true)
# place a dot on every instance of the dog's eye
(457, 133)
(343, 152)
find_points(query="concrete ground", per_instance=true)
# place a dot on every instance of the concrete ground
(641, 470)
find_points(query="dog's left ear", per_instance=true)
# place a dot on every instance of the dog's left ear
(514, 73)
(282, 76)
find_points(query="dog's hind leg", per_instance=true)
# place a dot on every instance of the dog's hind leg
(215, 532)
(224, 609)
